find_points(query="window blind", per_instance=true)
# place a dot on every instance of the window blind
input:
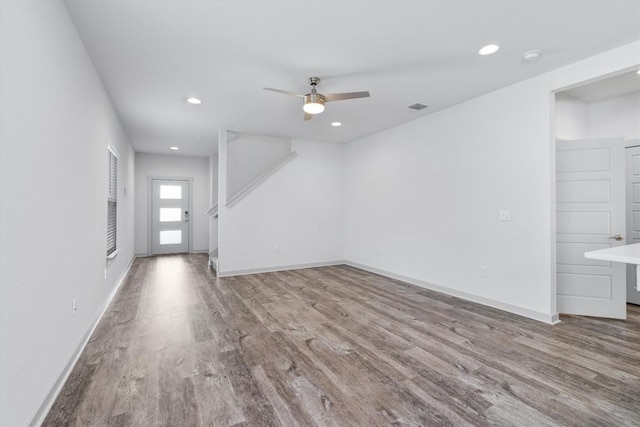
(112, 203)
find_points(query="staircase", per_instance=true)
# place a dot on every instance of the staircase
(251, 160)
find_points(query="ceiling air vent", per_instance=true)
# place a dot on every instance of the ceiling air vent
(416, 106)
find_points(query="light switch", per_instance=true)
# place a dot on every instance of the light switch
(505, 215)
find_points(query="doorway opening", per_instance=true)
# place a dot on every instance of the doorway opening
(596, 201)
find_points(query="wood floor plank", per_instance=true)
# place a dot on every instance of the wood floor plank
(304, 362)
(286, 408)
(257, 409)
(72, 396)
(338, 346)
(217, 401)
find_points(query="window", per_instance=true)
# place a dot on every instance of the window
(171, 237)
(170, 214)
(171, 192)
(112, 203)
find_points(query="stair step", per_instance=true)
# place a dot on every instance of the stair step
(213, 263)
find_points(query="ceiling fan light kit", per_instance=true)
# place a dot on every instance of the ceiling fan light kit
(313, 102)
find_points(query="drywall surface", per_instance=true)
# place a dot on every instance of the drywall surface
(422, 200)
(249, 156)
(293, 218)
(571, 118)
(213, 221)
(615, 117)
(213, 179)
(57, 122)
(610, 118)
(161, 165)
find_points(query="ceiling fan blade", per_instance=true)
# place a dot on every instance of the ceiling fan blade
(308, 116)
(286, 92)
(347, 95)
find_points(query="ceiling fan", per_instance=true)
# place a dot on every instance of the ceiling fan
(313, 102)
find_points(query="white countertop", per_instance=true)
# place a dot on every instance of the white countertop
(629, 254)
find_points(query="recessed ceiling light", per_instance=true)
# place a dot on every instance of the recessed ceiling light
(194, 101)
(638, 71)
(336, 124)
(489, 49)
(174, 148)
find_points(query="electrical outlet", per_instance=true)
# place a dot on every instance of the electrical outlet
(74, 307)
(276, 249)
(484, 271)
(505, 215)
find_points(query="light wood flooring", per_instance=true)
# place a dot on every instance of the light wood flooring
(338, 346)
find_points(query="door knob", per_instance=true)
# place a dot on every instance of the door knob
(617, 237)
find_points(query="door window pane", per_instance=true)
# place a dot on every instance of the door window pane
(170, 237)
(170, 214)
(171, 192)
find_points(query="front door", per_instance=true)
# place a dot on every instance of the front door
(590, 215)
(169, 216)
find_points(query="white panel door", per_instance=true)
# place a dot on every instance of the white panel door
(590, 195)
(169, 216)
(633, 215)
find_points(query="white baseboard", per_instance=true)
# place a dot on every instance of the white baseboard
(278, 268)
(46, 404)
(520, 311)
(197, 251)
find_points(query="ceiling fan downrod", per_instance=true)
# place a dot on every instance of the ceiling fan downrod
(313, 102)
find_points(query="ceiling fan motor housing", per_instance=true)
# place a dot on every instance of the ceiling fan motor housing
(314, 98)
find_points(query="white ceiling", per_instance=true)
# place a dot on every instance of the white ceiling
(612, 87)
(152, 55)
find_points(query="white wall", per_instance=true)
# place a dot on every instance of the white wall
(422, 199)
(249, 156)
(213, 221)
(161, 165)
(571, 118)
(293, 218)
(57, 122)
(614, 117)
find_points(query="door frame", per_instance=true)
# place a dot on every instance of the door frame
(632, 271)
(555, 315)
(150, 179)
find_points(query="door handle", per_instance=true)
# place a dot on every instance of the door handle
(617, 237)
(186, 216)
